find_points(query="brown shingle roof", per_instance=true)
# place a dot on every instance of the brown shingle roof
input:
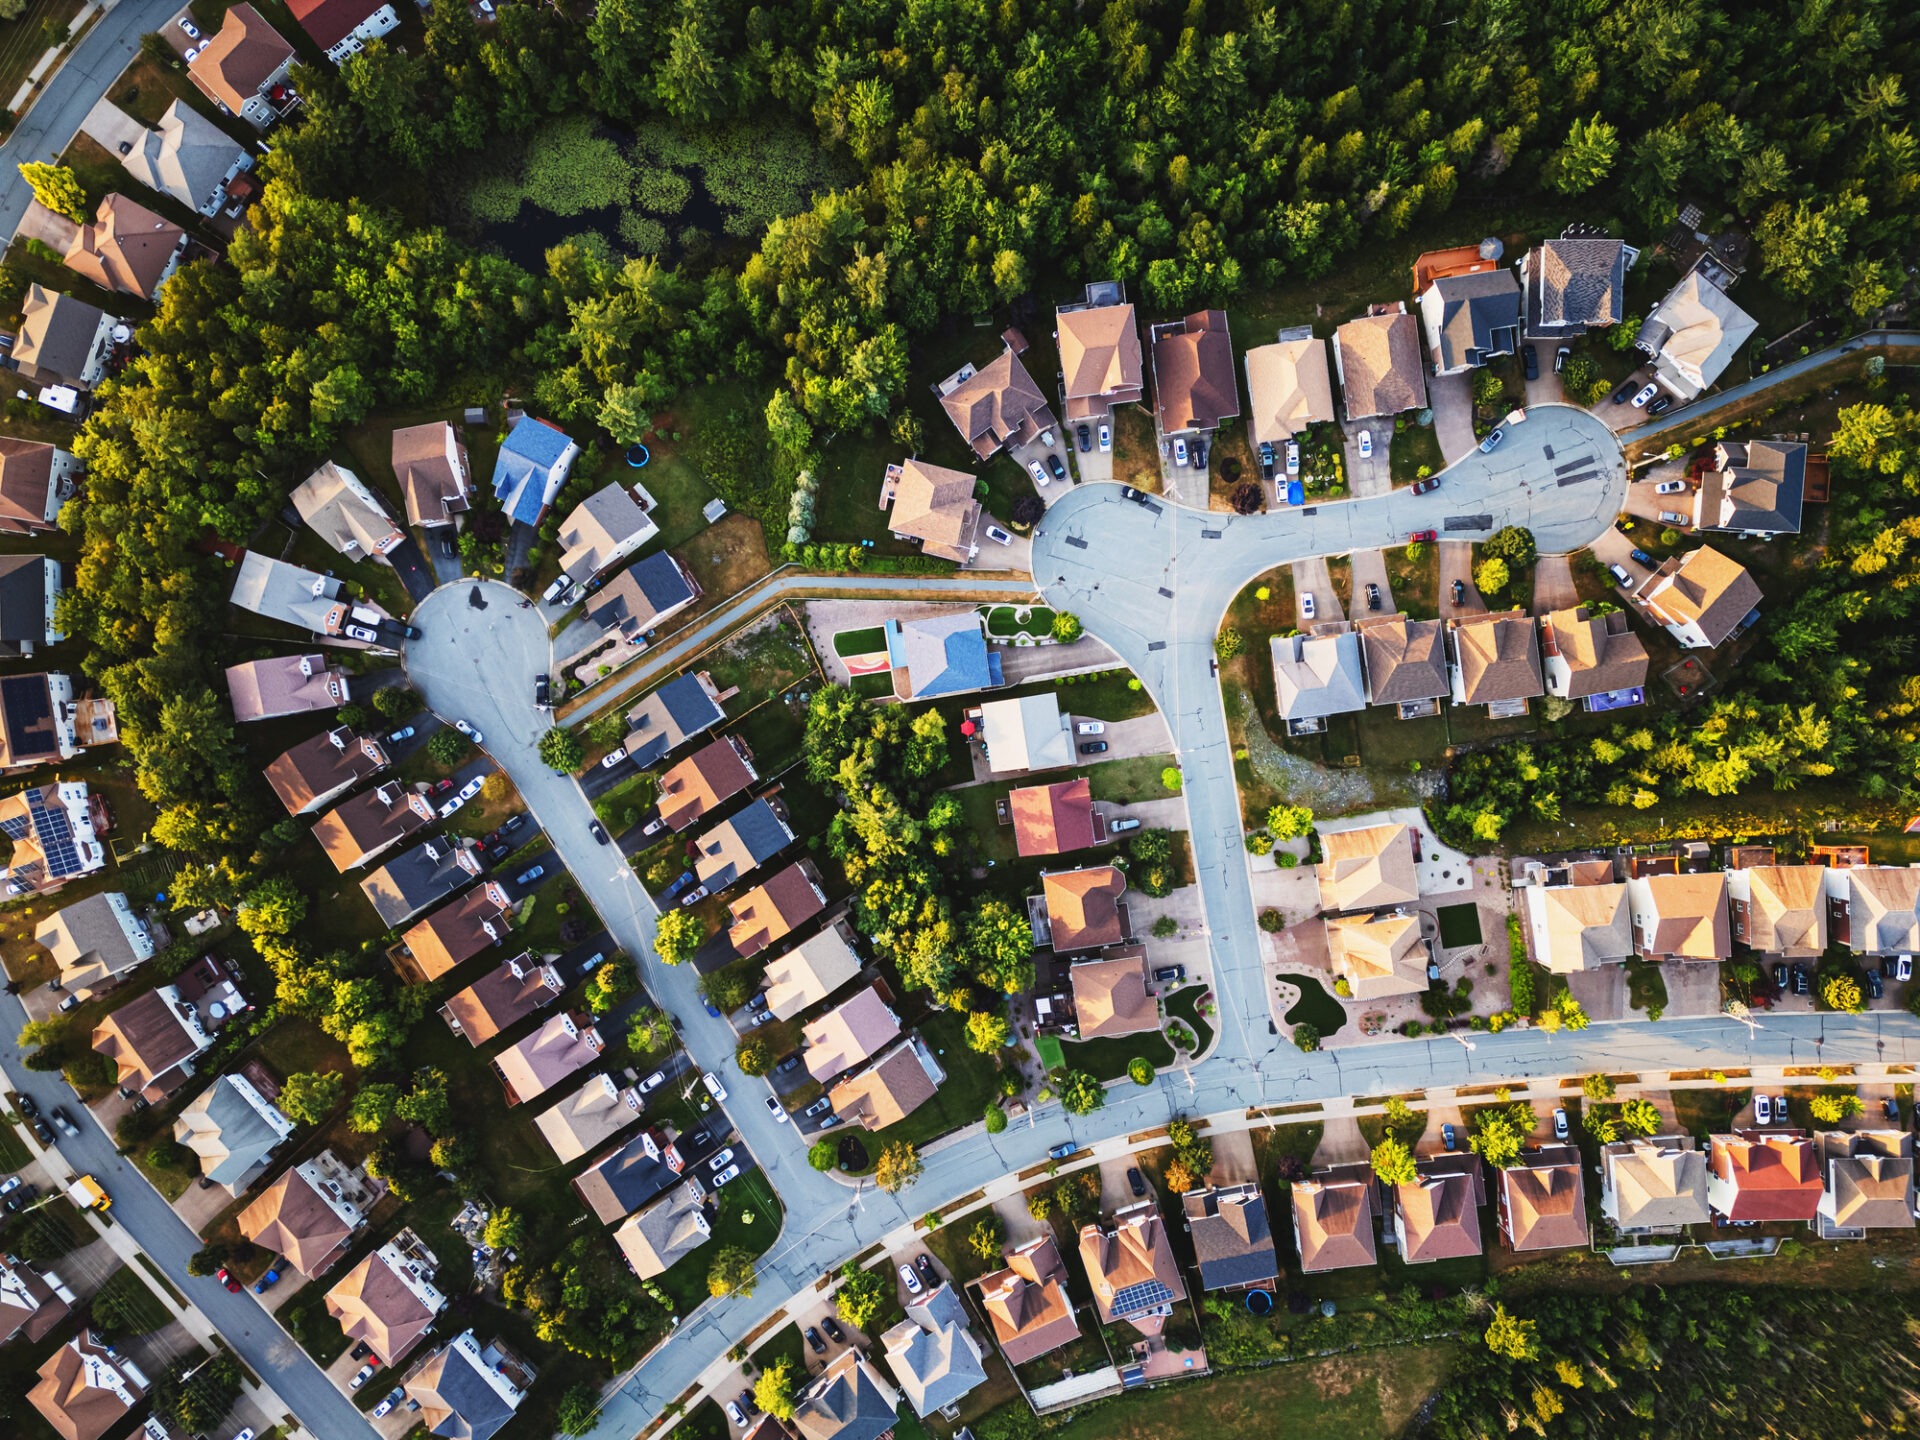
(430, 476)
(999, 405)
(1602, 652)
(1499, 658)
(1333, 1219)
(1083, 906)
(26, 474)
(373, 1302)
(126, 248)
(1193, 380)
(1656, 1183)
(935, 505)
(1379, 955)
(1288, 388)
(1027, 1303)
(459, 930)
(1542, 1203)
(1381, 369)
(1770, 1175)
(293, 1219)
(146, 1038)
(710, 775)
(1406, 660)
(235, 63)
(770, 911)
(1438, 1213)
(887, 1091)
(1100, 359)
(1786, 909)
(1110, 996)
(561, 1047)
(1051, 819)
(1366, 868)
(1683, 915)
(1135, 1253)
(361, 826)
(848, 1034)
(314, 769)
(83, 1392)
(1703, 588)
(1869, 1179)
(331, 21)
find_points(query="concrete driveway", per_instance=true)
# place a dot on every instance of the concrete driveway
(1027, 456)
(1451, 397)
(1645, 502)
(1456, 563)
(42, 224)
(112, 127)
(1312, 577)
(1093, 464)
(1553, 587)
(1547, 390)
(1370, 568)
(1370, 474)
(1613, 548)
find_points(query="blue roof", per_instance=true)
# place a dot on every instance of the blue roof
(943, 654)
(761, 831)
(524, 474)
(689, 707)
(661, 580)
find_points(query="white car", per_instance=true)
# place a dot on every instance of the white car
(1620, 573)
(12, 1184)
(193, 31)
(614, 759)
(733, 1414)
(361, 632)
(909, 1279)
(1038, 472)
(998, 536)
(1671, 487)
(381, 1409)
(1646, 393)
(653, 1081)
(1674, 517)
(1762, 1110)
(193, 51)
(714, 1087)
(1046, 438)
(732, 1172)
(360, 1377)
(1293, 457)
(1179, 452)
(1903, 967)
(722, 1160)
(1366, 444)
(467, 730)
(1306, 605)
(1091, 727)
(1106, 437)
(776, 1109)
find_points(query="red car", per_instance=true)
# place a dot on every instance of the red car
(1423, 535)
(1423, 487)
(227, 1280)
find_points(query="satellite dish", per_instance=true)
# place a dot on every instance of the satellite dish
(1491, 249)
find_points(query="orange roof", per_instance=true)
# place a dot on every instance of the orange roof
(1083, 906)
(1049, 819)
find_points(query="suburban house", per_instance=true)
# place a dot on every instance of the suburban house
(1681, 917)
(127, 248)
(243, 68)
(1496, 662)
(1232, 1245)
(187, 158)
(1692, 335)
(1575, 284)
(320, 769)
(1780, 909)
(365, 826)
(1194, 387)
(741, 844)
(95, 940)
(647, 594)
(669, 716)
(563, 1046)
(388, 1301)
(933, 1354)
(1082, 909)
(1874, 909)
(294, 595)
(31, 1304)
(152, 1041)
(1436, 1216)
(1132, 1269)
(900, 1080)
(458, 931)
(1100, 360)
(29, 589)
(35, 480)
(1377, 357)
(431, 465)
(234, 1129)
(1027, 1302)
(846, 1401)
(705, 780)
(605, 528)
(1764, 1175)
(86, 1387)
(1027, 733)
(342, 27)
(1378, 955)
(61, 341)
(309, 1214)
(1110, 995)
(287, 685)
(347, 515)
(623, 1179)
(1869, 1182)
(1053, 819)
(531, 467)
(589, 1117)
(941, 654)
(772, 910)
(996, 406)
(1648, 1186)
(1471, 319)
(1367, 868)
(1315, 676)
(851, 1032)
(1756, 489)
(1701, 597)
(468, 1391)
(501, 998)
(1333, 1219)
(1542, 1204)
(41, 720)
(1406, 665)
(935, 506)
(55, 832)
(1595, 659)
(420, 877)
(1288, 387)
(811, 971)
(667, 1231)
(1579, 927)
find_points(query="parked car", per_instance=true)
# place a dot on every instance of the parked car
(1170, 974)
(1670, 487)
(722, 1160)
(679, 883)
(362, 633)
(714, 1087)
(10, 1184)
(1035, 469)
(1640, 557)
(61, 1123)
(1875, 986)
(467, 730)
(1891, 1108)
(398, 1394)
(543, 692)
(1560, 359)
(1180, 452)
(40, 1131)
(1090, 727)
(818, 1107)
(1448, 1138)
(733, 1414)
(1062, 1150)
(1136, 1182)
(1084, 435)
(928, 1275)
(1620, 573)
(1306, 605)
(1046, 438)
(831, 1325)
(1199, 454)
(1625, 389)
(192, 30)
(1762, 1110)
(614, 759)
(1780, 1109)
(1293, 457)
(1120, 827)
(693, 896)
(405, 732)
(776, 1109)
(266, 1282)
(829, 1122)
(1106, 437)
(1054, 466)
(1661, 406)
(554, 591)
(1675, 518)
(1296, 493)
(1459, 592)
(529, 875)
(998, 536)
(1780, 977)
(1560, 1124)
(1139, 497)
(1644, 394)
(1426, 486)
(1426, 536)
(1802, 980)
(653, 1081)
(1488, 445)
(787, 1066)
(1094, 747)
(597, 831)
(1903, 967)
(1373, 596)
(24, 1104)
(1530, 362)
(1366, 444)
(234, 1287)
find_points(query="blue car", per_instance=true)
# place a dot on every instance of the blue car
(1448, 1138)
(1642, 558)
(685, 879)
(266, 1282)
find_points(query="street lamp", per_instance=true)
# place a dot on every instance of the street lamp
(1462, 1039)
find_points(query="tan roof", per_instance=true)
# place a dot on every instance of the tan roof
(848, 1034)
(1333, 1221)
(57, 333)
(1406, 660)
(1601, 651)
(286, 685)
(1696, 331)
(460, 930)
(345, 513)
(1083, 907)
(594, 1113)
(887, 1091)
(1110, 996)
(811, 971)
(715, 772)
(1499, 658)
(1027, 1303)
(1869, 1179)
(1052, 819)
(293, 1219)
(1683, 916)
(1543, 1205)
(431, 465)
(607, 524)
(1100, 358)
(126, 248)
(769, 912)
(1378, 955)
(235, 63)
(147, 1037)
(306, 775)
(83, 1392)
(1585, 925)
(363, 825)
(1381, 368)
(1366, 868)
(671, 1228)
(561, 1047)
(1703, 588)
(26, 475)
(1288, 388)
(1438, 1214)
(1786, 909)
(1136, 1252)
(1883, 903)
(1656, 1183)
(1000, 405)
(374, 1303)
(935, 505)
(1193, 380)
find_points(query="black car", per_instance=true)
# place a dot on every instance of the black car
(1170, 974)
(831, 1325)
(360, 1351)
(40, 1131)
(1459, 592)
(1136, 1182)
(1373, 591)
(542, 692)
(1661, 406)
(927, 1276)
(412, 632)
(1139, 497)
(1054, 466)
(1084, 436)
(1199, 453)
(24, 1104)
(1560, 359)
(1802, 980)
(507, 827)
(599, 833)
(1530, 361)
(1094, 747)
(1874, 987)
(22, 1196)
(787, 1066)
(1625, 392)
(1780, 977)
(818, 1345)
(745, 1402)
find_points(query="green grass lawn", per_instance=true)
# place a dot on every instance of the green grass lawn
(1002, 620)
(13, 1150)
(1459, 925)
(1315, 1006)
(1109, 695)
(1138, 778)
(1186, 1006)
(136, 1309)
(1107, 1059)
(773, 732)
(749, 1219)
(877, 686)
(319, 1334)
(760, 662)
(1414, 446)
(1705, 1110)
(869, 641)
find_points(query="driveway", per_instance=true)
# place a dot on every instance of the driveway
(411, 566)
(1547, 390)
(1027, 456)
(1645, 502)
(42, 224)
(1311, 577)
(1451, 397)
(1613, 548)
(1553, 587)
(1370, 474)
(1370, 568)
(1456, 563)
(111, 127)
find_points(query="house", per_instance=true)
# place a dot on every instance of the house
(900, 1080)
(846, 1401)
(1378, 955)
(1755, 490)
(849, 1033)
(418, 878)
(61, 341)
(431, 465)
(933, 1354)
(1436, 1215)
(1100, 360)
(501, 998)
(1053, 819)
(605, 528)
(1875, 909)
(296, 596)
(1595, 659)
(1132, 1269)
(1377, 358)
(1701, 597)
(1680, 917)
(667, 1231)
(1541, 1202)
(589, 1117)
(1027, 733)
(234, 1129)
(741, 844)
(1579, 927)
(365, 826)
(935, 506)
(1692, 335)
(1780, 909)
(1869, 1181)
(35, 480)
(1082, 908)
(127, 248)
(55, 834)
(531, 467)
(1496, 662)
(622, 1180)
(564, 1046)
(1027, 1303)
(343, 27)
(1653, 1185)
(644, 596)
(187, 158)
(95, 940)
(941, 655)
(1288, 387)
(771, 910)
(811, 971)
(1406, 665)
(1764, 1175)
(1232, 1245)
(388, 1301)
(347, 515)
(458, 931)
(1333, 1219)
(1367, 868)
(1315, 676)
(1471, 319)
(996, 406)
(152, 1041)
(86, 1388)
(308, 1214)
(667, 717)
(29, 588)
(468, 1391)
(42, 720)
(1575, 284)
(30, 1304)
(319, 770)
(288, 685)
(705, 780)
(1194, 389)
(243, 68)
(1110, 995)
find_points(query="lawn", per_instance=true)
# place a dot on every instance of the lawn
(1415, 452)
(1107, 1059)
(1005, 621)
(14, 1154)
(319, 1334)
(749, 1219)
(762, 661)
(774, 733)
(1315, 1006)
(1459, 925)
(136, 1309)
(870, 641)
(972, 1080)
(1186, 1006)
(1705, 1110)
(23, 41)
(1125, 781)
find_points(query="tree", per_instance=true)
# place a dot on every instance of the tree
(823, 1155)
(1511, 1336)
(1831, 1109)
(1140, 1070)
(309, 1098)
(1393, 1162)
(773, 1390)
(1170, 779)
(995, 1119)
(1247, 498)
(453, 1152)
(506, 1229)
(611, 983)
(1500, 1132)
(677, 935)
(1080, 1093)
(998, 947)
(987, 1236)
(1227, 643)
(860, 1296)
(649, 1031)
(1586, 158)
(1597, 1087)
(1306, 1037)
(898, 1168)
(1491, 575)
(986, 1032)
(1066, 626)
(447, 747)
(1512, 543)
(426, 1104)
(730, 1273)
(1842, 992)
(1289, 822)
(207, 1259)
(57, 188)
(372, 1106)
(752, 1056)
(724, 991)
(625, 414)
(577, 1410)
(396, 702)
(1641, 1117)
(562, 750)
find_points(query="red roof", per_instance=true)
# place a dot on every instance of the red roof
(331, 21)
(1775, 1176)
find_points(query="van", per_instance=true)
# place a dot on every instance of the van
(714, 1087)
(1120, 827)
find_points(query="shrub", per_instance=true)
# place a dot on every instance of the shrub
(753, 1056)
(996, 1119)
(1165, 928)
(448, 747)
(1066, 627)
(1227, 643)
(1170, 778)
(1272, 921)
(562, 750)
(1140, 1071)
(1286, 860)
(1259, 843)
(1307, 1037)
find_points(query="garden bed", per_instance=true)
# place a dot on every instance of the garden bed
(1315, 1006)
(1007, 622)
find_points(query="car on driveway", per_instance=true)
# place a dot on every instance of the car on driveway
(1560, 1124)
(831, 1325)
(467, 792)
(722, 1160)
(1675, 518)
(1094, 747)
(1084, 434)
(1054, 466)
(1366, 444)
(1671, 487)
(909, 1279)
(1373, 596)
(1180, 452)
(1802, 980)
(1106, 437)
(192, 30)
(1644, 394)
(1780, 977)
(1762, 1110)
(1427, 486)
(1448, 1138)
(394, 1397)
(1488, 445)
(1039, 475)
(614, 759)
(530, 874)
(998, 536)
(1136, 1182)
(1118, 827)
(1560, 358)
(693, 896)
(1620, 573)
(1459, 593)
(1530, 362)
(363, 634)
(1626, 388)
(814, 1342)
(818, 1107)
(1170, 974)
(1875, 988)
(1640, 557)
(266, 1282)
(1661, 406)
(679, 883)
(733, 1414)
(1090, 727)
(1306, 605)
(1293, 457)
(405, 732)
(653, 1081)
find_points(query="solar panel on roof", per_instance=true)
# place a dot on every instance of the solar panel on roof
(1145, 1295)
(56, 835)
(16, 827)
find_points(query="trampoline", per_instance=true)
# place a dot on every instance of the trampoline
(637, 457)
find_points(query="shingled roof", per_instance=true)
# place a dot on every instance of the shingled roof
(1193, 379)
(1542, 1203)
(1333, 1219)
(1381, 373)
(1053, 819)
(1231, 1242)
(997, 406)
(1083, 907)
